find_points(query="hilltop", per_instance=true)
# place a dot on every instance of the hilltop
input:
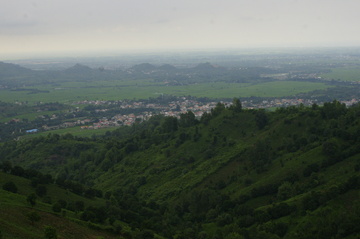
(234, 173)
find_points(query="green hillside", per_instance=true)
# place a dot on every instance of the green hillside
(22, 219)
(234, 173)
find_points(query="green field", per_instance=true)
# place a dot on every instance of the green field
(344, 74)
(76, 131)
(143, 89)
(29, 116)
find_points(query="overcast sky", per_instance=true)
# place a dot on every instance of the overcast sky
(70, 26)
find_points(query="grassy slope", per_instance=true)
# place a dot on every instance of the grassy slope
(167, 175)
(14, 207)
(228, 166)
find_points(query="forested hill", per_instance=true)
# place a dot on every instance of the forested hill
(234, 173)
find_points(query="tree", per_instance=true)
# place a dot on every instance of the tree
(18, 171)
(6, 166)
(312, 168)
(31, 199)
(169, 124)
(50, 232)
(33, 217)
(187, 119)
(333, 110)
(330, 148)
(261, 118)
(236, 105)
(10, 186)
(205, 118)
(285, 191)
(218, 109)
(41, 190)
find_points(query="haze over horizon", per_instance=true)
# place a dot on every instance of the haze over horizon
(66, 27)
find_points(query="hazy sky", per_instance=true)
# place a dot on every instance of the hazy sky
(70, 26)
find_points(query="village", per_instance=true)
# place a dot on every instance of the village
(173, 108)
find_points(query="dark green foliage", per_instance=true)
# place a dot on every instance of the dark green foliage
(332, 110)
(261, 119)
(205, 118)
(169, 124)
(6, 166)
(79, 206)
(280, 210)
(236, 173)
(277, 228)
(50, 232)
(33, 216)
(56, 207)
(220, 107)
(264, 190)
(18, 171)
(145, 234)
(187, 119)
(10, 186)
(330, 148)
(62, 203)
(312, 168)
(90, 193)
(31, 199)
(285, 191)
(41, 190)
(236, 105)
(327, 223)
(94, 214)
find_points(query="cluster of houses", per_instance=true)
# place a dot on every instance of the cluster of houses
(173, 108)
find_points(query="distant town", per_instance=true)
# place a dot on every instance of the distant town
(173, 108)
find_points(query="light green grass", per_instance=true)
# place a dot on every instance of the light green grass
(344, 74)
(76, 131)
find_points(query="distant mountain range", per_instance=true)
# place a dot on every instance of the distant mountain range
(14, 75)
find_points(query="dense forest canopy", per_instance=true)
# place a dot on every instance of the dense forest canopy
(234, 173)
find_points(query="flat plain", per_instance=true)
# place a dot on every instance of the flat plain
(69, 92)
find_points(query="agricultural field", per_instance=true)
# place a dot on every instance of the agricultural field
(143, 89)
(344, 74)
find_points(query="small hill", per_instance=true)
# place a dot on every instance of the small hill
(12, 70)
(78, 69)
(167, 67)
(144, 67)
(207, 67)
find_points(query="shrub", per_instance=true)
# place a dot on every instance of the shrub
(10, 186)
